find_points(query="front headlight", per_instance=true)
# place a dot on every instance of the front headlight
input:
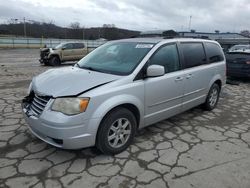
(70, 106)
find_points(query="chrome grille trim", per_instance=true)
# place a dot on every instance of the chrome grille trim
(33, 112)
(38, 104)
(42, 98)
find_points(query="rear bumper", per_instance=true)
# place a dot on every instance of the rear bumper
(238, 73)
(67, 136)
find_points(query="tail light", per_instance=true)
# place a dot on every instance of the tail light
(248, 62)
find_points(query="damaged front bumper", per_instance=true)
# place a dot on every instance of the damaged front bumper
(44, 60)
(59, 130)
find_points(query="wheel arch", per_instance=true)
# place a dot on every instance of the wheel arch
(130, 102)
(129, 106)
(55, 55)
(219, 83)
(216, 79)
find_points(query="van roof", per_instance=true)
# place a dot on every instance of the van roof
(155, 40)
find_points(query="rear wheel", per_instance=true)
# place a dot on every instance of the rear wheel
(54, 61)
(116, 132)
(212, 97)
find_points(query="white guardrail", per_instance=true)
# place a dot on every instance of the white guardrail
(12, 42)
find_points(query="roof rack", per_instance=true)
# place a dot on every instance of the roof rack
(194, 37)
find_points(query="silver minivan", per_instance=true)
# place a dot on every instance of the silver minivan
(121, 87)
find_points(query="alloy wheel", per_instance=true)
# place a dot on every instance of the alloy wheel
(119, 133)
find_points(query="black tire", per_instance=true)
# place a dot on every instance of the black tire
(212, 97)
(117, 115)
(54, 61)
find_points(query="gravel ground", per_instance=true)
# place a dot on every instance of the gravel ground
(194, 149)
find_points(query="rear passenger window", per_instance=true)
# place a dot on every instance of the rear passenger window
(168, 57)
(78, 45)
(81, 45)
(214, 52)
(194, 54)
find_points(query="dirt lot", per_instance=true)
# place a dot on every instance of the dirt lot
(194, 149)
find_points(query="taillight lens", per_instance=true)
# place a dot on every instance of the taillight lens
(248, 62)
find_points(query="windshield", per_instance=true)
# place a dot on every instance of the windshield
(119, 58)
(59, 46)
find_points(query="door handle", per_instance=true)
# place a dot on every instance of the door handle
(179, 79)
(189, 76)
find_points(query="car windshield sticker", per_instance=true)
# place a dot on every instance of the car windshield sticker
(144, 46)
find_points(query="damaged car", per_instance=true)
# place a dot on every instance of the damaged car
(120, 87)
(70, 51)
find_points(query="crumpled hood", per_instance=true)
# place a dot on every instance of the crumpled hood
(69, 81)
(44, 49)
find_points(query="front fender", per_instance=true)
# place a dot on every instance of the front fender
(115, 101)
(54, 54)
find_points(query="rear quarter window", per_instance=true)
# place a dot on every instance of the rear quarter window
(194, 54)
(214, 52)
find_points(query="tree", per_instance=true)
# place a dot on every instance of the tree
(108, 25)
(245, 33)
(170, 34)
(75, 25)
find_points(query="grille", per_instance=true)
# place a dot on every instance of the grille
(38, 104)
(43, 54)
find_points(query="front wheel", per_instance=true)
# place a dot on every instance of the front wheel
(212, 97)
(54, 61)
(116, 132)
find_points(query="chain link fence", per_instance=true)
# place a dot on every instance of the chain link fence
(12, 42)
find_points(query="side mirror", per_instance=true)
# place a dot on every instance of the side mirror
(63, 48)
(155, 71)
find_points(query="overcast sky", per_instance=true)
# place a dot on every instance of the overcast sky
(207, 15)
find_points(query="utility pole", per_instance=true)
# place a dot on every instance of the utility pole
(83, 33)
(190, 22)
(24, 27)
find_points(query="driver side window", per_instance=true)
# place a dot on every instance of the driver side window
(167, 56)
(68, 46)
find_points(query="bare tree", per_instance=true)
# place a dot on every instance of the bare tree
(170, 33)
(48, 29)
(245, 33)
(108, 26)
(51, 22)
(75, 25)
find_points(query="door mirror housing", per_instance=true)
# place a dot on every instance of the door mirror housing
(155, 71)
(63, 48)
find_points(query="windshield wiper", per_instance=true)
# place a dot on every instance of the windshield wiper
(91, 68)
(77, 65)
(96, 70)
